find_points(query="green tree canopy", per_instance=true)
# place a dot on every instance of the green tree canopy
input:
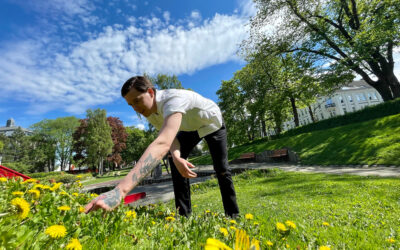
(357, 35)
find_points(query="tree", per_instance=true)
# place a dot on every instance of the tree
(118, 135)
(137, 142)
(98, 141)
(59, 133)
(79, 143)
(163, 81)
(358, 35)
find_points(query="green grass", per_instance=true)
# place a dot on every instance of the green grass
(362, 212)
(109, 177)
(371, 142)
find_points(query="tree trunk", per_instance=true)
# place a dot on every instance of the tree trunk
(311, 113)
(264, 128)
(384, 90)
(294, 109)
(101, 166)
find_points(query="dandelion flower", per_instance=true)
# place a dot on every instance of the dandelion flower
(35, 192)
(56, 231)
(214, 244)
(232, 221)
(30, 180)
(233, 228)
(256, 224)
(22, 207)
(325, 224)
(74, 244)
(38, 186)
(194, 205)
(281, 227)
(153, 222)
(64, 208)
(255, 244)
(94, 195)
(56, 186)
(287, 246)
(172, 214)
(3, 179)
(75, 194)
(18, 193)
(269, 243)
(391, 240)
(249, 216)
(63, 193)
(44, 187)
(81, 209)
(208, 211)
(224, 231)
(242, 240)
(131, 214)
(290, 224)
(324, 248)
(169, 218)
(79, 176)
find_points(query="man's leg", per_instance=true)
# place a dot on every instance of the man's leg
(187, 140)
(218, 150)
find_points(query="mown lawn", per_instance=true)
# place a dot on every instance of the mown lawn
(372, 142)
(339, 211)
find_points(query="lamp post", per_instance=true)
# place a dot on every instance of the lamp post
(1, 157)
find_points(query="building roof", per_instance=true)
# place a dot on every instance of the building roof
(10, 128)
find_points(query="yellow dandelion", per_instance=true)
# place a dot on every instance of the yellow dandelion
(56, 186)
(194, 205)
(233, 228)
(35, 192)
(281, 227)
(224, 231)
(171, 230)
(255, 244)
(287, 246)
(208, 211)
(94, 195)
(30, 180)
(45, 187)
(214, 244)
(38, 186)
(249, 216)
(3, 179)
(81, 209)
(324, 248)
(232, 221)
(63, 193)
(160, 213)
(79, 176)
(391, 240)
(22, 207)
(169, 218)
(256, 224)
(269, 243)
(131, 214)
(242, 240)
(75, 194)
(56, 231)
(172, 214)
(74, 244)
(18, 193)
(325, 224)
(290, 224)
(153, 222)
(64, 208)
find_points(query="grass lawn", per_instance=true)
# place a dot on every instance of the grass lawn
(358, 212)
(372, 142)
(109, 177)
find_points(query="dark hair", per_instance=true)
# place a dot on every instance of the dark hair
(140, 83)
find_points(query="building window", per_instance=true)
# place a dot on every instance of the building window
(344, 110)
(341, 99)
(322, 116)
(354, 108)
(349, 98)
(374, 96)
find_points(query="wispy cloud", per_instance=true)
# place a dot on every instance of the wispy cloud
(89, 73)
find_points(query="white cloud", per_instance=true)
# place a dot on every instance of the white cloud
(141, 126)
(86, 74)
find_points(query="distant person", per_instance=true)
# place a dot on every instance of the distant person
(183, 118)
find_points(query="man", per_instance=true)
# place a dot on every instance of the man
(183, 118)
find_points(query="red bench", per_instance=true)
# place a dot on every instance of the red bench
(279, 153)
(247, 156)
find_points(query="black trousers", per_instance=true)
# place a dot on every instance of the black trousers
(218, 149)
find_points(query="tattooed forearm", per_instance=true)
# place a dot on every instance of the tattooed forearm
(111, 198)
(144, 169)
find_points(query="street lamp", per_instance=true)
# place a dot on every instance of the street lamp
(1, 157)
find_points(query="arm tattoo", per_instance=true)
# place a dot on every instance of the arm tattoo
(145, 168)
(111, 198)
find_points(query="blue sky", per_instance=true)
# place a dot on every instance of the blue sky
(60, 57)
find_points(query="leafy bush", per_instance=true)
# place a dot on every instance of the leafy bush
(18, 166)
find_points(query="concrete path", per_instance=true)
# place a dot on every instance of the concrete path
(163, 191)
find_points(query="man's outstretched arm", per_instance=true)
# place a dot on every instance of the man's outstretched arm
(149, 160)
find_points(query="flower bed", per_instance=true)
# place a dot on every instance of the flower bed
(50, 216)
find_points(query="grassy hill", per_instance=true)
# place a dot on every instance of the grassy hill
(371, 142)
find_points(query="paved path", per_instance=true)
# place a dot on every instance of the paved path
(163, 191)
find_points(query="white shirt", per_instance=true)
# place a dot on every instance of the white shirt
(198, 113)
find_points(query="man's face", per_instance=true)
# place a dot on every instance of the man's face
(140, 102)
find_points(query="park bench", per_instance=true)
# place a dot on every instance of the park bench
(279, 153)
(246, 157)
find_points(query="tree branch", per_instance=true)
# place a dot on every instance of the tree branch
(355, 14)
(339, 27)
(390, 54)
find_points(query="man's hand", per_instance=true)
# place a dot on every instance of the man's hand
(183, 167)
(107, 201)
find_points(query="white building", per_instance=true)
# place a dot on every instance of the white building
(353, 97)
(10, 128)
